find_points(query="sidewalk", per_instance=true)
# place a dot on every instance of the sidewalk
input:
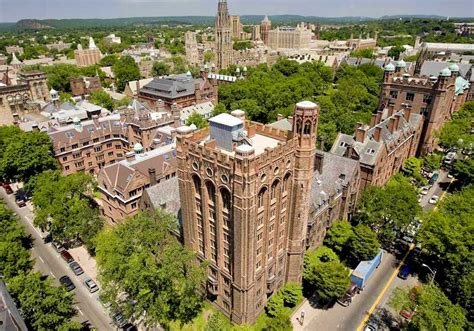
(309, 314)
(86, 261)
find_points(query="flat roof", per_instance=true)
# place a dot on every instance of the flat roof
(226, 119)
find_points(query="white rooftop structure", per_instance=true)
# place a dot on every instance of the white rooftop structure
(92, 43)
(226, 120)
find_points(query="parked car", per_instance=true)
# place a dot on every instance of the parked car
(91, 285)
(346, 299)
(48, 238)
(424, 190)
(76, 268)
(434, 199)
(129, 327)
(20, 202)
(407, 313)
(371, 326)
(66, 256)
(404, 272)
(8, 188)
(67, 283)
(58, 247)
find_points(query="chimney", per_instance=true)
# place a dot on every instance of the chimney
(361, 134)
(373, 120)
(160, 105)
(130, 156)
(379, 117)
(391, 124)
(95, 118)
(391, 108)
(407, 113)
(138, 86)
(152, 175)
(398, 121)
(377, 133)
(35, 127)
(176, 112)
(279, 117)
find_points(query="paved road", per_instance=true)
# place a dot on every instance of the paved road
(348, 318)
(437, 189)
(48, 262)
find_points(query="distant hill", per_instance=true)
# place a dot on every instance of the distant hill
(190, 20)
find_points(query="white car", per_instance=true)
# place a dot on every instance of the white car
(434, 199)
(424, 190)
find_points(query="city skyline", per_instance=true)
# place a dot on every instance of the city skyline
(14, 10)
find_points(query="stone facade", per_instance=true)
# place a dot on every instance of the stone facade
(17, 100)
(245, 202)
(192, 50)
(236, 27)
(382, 147)
(290, 37)
(265, 27)
(87, 57)
(436, 98)
(223, 36)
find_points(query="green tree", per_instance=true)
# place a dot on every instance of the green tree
(125, 69)
(142, 260)
(389, 209)
(242, 45)
(66, 97)
(280, 322)
(197, 119)
(64, 205)
(208, 56)
(160, 69)
(218, 322)
(326, 274)
(395, 52)
(219, 109)
(363, 245)
(434, 311)
(179, 65)
(412, 168)
(457, 132)
(432, 161)
(103, 99)
(292, 294)
(44, 306)
(367, 53)
(338, 236)
(464, 171)
(109, 60)
(25, 155)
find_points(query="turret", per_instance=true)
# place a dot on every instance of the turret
(389, 71)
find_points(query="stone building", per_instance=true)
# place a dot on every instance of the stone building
(122, 184)
(436, 98)
(290, 37)
(82, 86)
(236, 26)
(381, 148)
(17, 100)
(265, 27)
(255, 34)
(223, 36)
(87, 57)
(245, 190)
(93, 144)
(182, 90)
(192, 50)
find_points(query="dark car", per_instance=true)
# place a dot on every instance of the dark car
(48, 238)
(67, 283)
(119, 320)
(76, 268)
(66, 256)
(129, 327)
(404, 272)
(346, 299)
(8, 188)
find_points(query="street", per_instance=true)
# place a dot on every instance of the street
(49, 262)
(371, 303)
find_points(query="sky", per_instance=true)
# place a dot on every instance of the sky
(14, 10)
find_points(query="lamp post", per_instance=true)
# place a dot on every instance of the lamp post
(431, 270)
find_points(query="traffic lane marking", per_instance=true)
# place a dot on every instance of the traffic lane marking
(385, 288)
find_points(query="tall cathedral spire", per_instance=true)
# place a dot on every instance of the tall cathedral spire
(223, 36)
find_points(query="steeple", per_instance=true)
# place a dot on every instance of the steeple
(223, 36)
(92, 43)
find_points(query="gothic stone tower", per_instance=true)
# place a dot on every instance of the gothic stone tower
(223, 36)
(244, 191)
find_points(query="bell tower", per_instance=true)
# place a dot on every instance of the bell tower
(306, 115)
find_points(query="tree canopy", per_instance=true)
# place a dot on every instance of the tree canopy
(363, 245)
(338, 236)
(24, 154)
(64, 205)
(145, 271)
(101, 98)
(197, 119)
(125, 69)
(433, 310)
(457, 132)
(389, 209)
(325, 273)
(160, 69)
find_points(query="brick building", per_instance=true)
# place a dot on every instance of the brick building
(265, 27)
(87, 57)
(243, 182)
(436, 98)
(93, 144)
(122, 184)
(381, 148)
(182, 90)
(82, 86)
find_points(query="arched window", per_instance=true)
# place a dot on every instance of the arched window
(197, 185)
(211, 192)
(261, 197)
(298, 126)
(225, 197)
(307, 127)
(274, 190)
(286, 182)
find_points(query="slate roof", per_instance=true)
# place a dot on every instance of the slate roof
(205, 109)
(166, 194)
(433, 68)
(171, 87)
(283, 124)
(381, 63)
(369, 149)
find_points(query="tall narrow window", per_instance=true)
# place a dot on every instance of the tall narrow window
(307, 127)
(274, 190)
(261, 197)
(225, 196)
